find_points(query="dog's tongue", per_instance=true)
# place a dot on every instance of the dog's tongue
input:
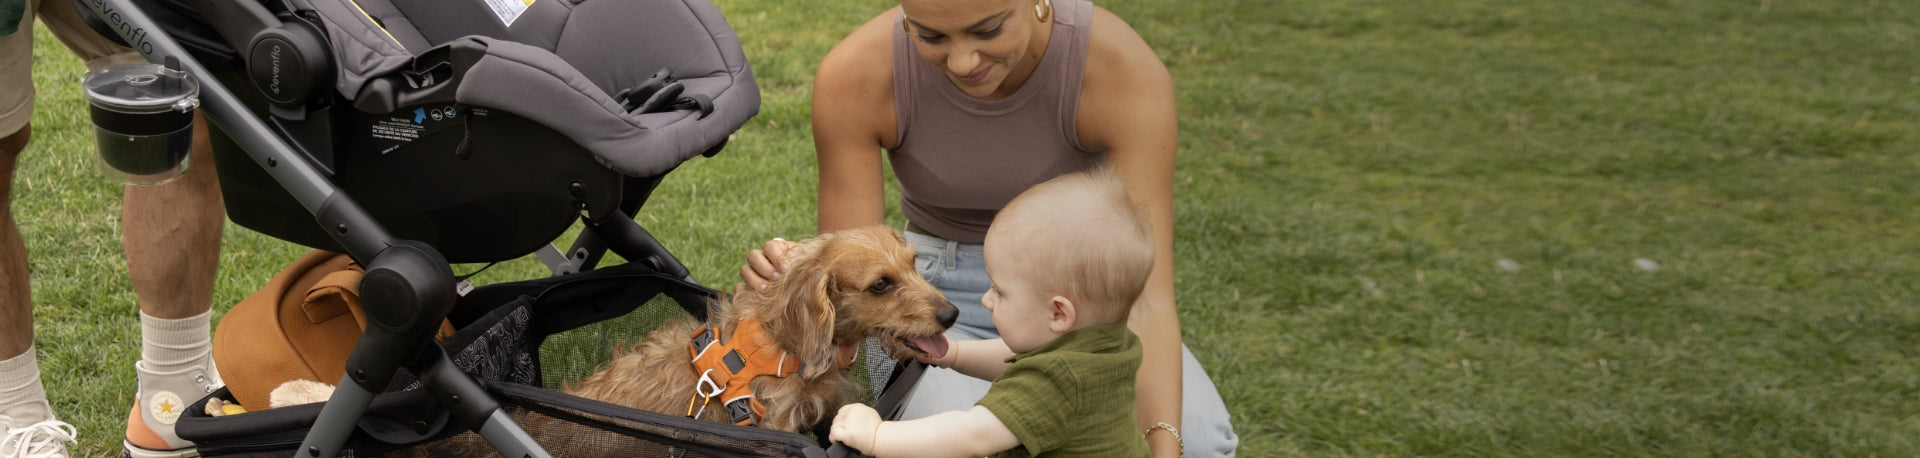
(934, 346)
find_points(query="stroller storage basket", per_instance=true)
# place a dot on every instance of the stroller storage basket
(549, 330)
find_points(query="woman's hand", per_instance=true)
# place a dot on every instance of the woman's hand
(768, 263)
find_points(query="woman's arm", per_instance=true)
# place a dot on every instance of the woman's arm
(853, 119)
(1127, 107)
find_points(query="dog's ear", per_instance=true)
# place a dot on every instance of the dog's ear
(807, 316)
(817, 319)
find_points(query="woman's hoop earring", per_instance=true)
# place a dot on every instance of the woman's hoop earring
(1043, 10)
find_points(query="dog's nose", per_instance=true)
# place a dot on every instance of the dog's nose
(947, 315)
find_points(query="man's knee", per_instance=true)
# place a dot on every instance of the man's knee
(17, 141)
(11, 146)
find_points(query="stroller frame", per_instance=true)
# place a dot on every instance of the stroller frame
(408, 288)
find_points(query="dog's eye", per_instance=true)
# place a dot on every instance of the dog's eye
(881, 286)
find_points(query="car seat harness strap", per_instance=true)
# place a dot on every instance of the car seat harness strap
(662, 93)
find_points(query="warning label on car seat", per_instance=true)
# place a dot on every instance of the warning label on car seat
(508, 10)
(397, 131)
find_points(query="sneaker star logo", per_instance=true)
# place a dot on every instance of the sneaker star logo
(166, 407)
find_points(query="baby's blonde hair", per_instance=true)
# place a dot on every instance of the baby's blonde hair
(1080, 236)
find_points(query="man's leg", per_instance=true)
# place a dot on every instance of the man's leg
(172, 237)
(23, 401)
(16, 301)
(171, 234)
(27, 424)
(16, 110)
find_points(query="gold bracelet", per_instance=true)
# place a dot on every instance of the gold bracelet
(1170, 430)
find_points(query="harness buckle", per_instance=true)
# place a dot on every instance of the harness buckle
(701, 341)
(740, 411)
(706, 387)
(703, 391)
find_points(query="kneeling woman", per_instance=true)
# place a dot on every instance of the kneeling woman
(974, 101)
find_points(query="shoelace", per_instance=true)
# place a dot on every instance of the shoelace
(39, 440)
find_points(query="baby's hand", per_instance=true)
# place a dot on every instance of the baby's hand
(856, 426)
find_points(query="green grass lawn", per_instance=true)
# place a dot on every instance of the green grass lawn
(1404, 228)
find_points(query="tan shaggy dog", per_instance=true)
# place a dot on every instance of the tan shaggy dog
(842, 288)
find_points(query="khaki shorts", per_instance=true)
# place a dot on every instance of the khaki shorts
(16, 56)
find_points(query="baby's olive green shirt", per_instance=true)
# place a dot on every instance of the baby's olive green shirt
(1072, 397)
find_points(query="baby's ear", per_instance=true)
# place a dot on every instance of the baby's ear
(1064, 315)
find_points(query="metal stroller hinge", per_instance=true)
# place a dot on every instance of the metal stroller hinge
(557, 262)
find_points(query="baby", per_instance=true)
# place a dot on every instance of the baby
(1067, 258)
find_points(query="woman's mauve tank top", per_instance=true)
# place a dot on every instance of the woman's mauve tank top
(960, 159)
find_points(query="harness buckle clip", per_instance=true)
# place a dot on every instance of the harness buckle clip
(703, 391)
(707, 388)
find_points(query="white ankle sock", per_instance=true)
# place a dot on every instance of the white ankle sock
(21, 396)
(175, 345)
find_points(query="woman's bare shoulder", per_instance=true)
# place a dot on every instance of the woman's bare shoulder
(1116, 54)
(863, 61)
(1125, 91)
(853, 90)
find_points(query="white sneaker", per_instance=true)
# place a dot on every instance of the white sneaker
(46, 439)
(162, 399)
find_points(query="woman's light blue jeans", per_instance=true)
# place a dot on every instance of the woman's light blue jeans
(960, 271)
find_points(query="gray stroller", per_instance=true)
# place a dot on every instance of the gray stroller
(414, 135)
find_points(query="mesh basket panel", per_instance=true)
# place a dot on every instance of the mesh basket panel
(498, 352)
(573, 355)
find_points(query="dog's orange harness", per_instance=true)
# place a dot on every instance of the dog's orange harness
(728, 365)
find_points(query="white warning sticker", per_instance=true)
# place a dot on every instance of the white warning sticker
(390, 134)
(410, 125)
(508, 10)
